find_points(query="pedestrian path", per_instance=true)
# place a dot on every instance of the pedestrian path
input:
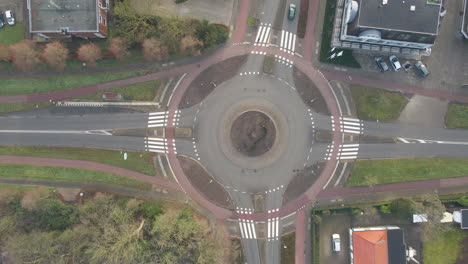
(349, 125)
(246, 226)
(288, 42)
(160, 145)
(345, 152)
(273, 226)
(263, 35)
(157, 119)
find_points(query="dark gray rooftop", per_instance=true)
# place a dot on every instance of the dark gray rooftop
(51, 15)
(396, 15)
(464, 218)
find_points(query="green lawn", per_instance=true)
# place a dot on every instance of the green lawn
(288, 253)
(134, 162)
(11, 86)
(138, 92)
(8, 108)
(444, 249)
(57, 174)
(403, 170)
(12, 34)
(135, 57)
(457, 116)
(377, 104)
(347, 58)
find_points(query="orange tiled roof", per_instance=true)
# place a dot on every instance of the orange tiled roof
(370, 247)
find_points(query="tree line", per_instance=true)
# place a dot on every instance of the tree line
(36, 227)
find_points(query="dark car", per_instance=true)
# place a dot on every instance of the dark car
(421, 69)
(2, 20)
(292, 12)
(381, 64)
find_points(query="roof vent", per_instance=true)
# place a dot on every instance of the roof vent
(412, 8)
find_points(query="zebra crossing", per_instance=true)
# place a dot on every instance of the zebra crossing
(160, 145)
(263, 35)
(157, 119)
(351, 125)
(345, 152)
(273, 226)
(348, 151)
(288, 42)
(246, 226)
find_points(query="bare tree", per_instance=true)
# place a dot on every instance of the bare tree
(33, 197)
(119, 48)
(153, 49)
(191, 43)
(89, 53)
(24, 55)
(55, 54)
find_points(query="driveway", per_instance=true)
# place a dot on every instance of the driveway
(334, 224)
(215, 11)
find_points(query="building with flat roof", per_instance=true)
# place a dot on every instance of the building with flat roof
(393, 26)
(377, 245)
(64, 18)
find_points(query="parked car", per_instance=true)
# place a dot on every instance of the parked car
(396, 66)
(421, 69)
(292, 12)
(336, 243)
(381, 64)
(443, 12)
(2, 20)
(10, 18)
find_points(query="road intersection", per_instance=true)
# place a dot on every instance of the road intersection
(245, 178)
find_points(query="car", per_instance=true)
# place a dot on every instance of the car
(336, 243)
(292, 12)
(443, 12)
(396, 66)
(2, 20)
(10, 18)
(421, 69)
(381, 64)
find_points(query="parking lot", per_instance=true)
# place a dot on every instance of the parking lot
(448, 63)
(340, 224)
(14, 5)
(334, 224)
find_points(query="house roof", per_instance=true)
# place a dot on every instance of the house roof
(396, 15)
(370, 247)
(52, 15)
(396, 246)
(464, 218)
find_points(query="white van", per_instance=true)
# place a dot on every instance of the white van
(9, 17)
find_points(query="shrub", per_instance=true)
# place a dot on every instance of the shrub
(268, 64)
(463, 200)
(252, 22)
(154, 50)
(356, 211)
(89, 53)
(180, 1)
(151, 210)
(24, 55)
(385, 209)
(119, 48)
(326, 212)
(55, 54)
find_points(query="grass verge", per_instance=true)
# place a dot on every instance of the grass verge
(12, 34)
(136, 161)
(377, 104)
(8, 108)
(444, 249)
(315, 230)
(457, 116)
(403, 170)
(347, 58)
(57, 174)
(288, 248)
(12, 86)
(138, 92)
